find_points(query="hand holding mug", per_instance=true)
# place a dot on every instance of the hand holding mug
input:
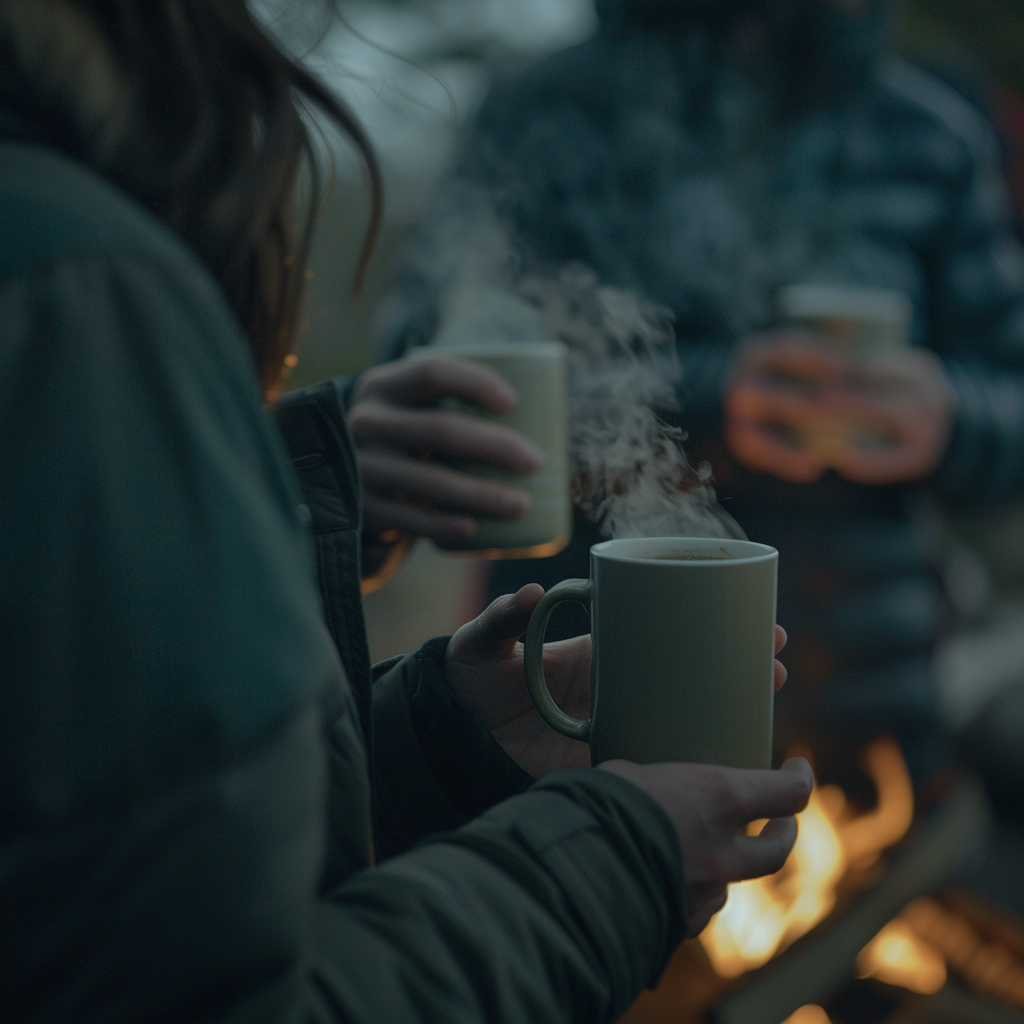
(840, 389)
(904, 402)
(484, 666)
(410, 451)
(683, 639)
(776, 399)
(709, 806)
(537, 370)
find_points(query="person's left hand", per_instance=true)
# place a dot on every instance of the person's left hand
(484, 666)
(906, 402)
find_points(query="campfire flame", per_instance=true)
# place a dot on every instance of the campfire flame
(765, 915)
(897, 956)
(914, 951)
(809, 1014)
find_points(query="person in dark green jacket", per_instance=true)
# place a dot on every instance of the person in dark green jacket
(208, 797)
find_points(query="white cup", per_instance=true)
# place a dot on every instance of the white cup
(537, 371)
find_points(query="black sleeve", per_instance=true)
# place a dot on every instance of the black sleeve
(557, 905)
(165, 662)
(436, 765)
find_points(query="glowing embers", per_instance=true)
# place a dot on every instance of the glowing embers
(987, 955)
(915, 949)
(898, 956)
(809, 1014)
(764, 916)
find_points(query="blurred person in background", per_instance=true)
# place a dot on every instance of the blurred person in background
(707, 153)
(199, 766)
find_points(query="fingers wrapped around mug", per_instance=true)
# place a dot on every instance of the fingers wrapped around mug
(710, 807)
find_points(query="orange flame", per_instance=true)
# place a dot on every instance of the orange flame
(809, 1014)
(898, 956)
(765, 915)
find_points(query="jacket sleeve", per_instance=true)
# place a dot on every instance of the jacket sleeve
(436, 765)
(419, 739)
(557, 905)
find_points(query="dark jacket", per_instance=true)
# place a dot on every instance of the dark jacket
(185, 809)
(655, 157)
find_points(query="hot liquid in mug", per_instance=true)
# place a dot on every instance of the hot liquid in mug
(683, 651)
(537, 371)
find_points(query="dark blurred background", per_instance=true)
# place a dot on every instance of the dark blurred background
(414, 72)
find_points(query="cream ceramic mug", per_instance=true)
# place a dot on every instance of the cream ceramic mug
(863, 322)
(537, 370)
(683, 651)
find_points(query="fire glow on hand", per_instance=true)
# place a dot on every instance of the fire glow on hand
(765, 915)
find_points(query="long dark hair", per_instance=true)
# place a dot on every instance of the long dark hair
(201, 120)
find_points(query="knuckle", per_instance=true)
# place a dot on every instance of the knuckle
(728, 802)
(426, 372)
(364, 417)
(446, 430)
(777, 857)
(357, 417)
(433, 376)
(374, 380)
(724, 798)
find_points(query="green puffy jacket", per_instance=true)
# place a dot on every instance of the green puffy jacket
(186, 772)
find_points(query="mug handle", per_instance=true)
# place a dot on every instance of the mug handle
(533, 658)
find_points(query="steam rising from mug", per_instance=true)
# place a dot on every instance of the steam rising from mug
(630, 472)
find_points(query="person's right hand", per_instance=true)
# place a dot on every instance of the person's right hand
(410, 452)
(776, 397)
(710, 805)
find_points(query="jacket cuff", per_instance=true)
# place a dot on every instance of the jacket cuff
(436, 765)
(643, 835)
(469, 764)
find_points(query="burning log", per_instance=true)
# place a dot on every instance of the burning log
(987, 954)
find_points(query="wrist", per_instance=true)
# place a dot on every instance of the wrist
(465, 759)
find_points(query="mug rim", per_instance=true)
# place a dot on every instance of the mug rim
(759, 553)
(821, 300)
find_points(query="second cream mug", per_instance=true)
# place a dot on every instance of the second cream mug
(537, 371)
